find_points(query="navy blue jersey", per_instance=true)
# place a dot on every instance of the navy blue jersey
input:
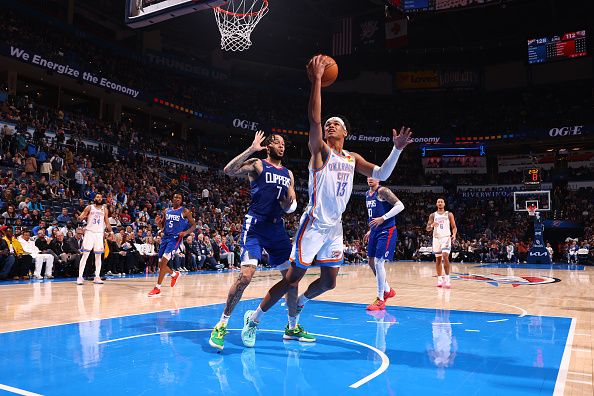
(377, 208)
(272, 185)
(175, 222)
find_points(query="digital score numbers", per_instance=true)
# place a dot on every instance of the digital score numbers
(567, 46)
(532, 179)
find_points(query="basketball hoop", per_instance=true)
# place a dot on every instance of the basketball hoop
(531, 210)
(237, 21)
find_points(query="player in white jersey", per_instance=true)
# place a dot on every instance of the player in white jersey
(440, 222)
(331, 170)
(97, 220)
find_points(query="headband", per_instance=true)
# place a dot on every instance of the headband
(337, 119)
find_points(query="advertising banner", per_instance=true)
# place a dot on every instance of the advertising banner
(68, 70)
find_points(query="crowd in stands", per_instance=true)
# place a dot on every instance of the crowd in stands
(46, 184)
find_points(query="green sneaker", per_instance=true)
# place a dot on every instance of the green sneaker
(299, 334)
(217, 337)
(248, 333)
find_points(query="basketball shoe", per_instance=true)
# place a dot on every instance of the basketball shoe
(298, 333)
(248, 333)
(174, 278)
(440, 281)
(156, 291)
(377, 305)
(217, 337)
(390, 294)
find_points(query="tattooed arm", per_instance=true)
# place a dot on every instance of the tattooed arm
(241, 165)
(385, 194)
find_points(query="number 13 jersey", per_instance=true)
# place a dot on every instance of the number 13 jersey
(330, 189)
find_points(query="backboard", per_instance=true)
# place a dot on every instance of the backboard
(523, 199)
(141, 13)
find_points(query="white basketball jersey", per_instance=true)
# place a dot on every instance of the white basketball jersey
(443, 227)
(330, 189)
(96, 219)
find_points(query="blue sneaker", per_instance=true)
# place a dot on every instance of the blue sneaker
(248, 333)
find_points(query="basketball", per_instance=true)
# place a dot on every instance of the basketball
(330, 73)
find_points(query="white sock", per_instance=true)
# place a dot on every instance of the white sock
(82, 264)
(158, 286)
(292, 322)
(387, 287)
(224, 319)
(380, 276)
(257, 315)
(302, 300)
(97, 265)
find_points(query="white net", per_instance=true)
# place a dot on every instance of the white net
(237, 20)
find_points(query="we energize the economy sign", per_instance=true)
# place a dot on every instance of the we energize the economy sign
(67, 70)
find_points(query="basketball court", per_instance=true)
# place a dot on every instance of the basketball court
(523, 329)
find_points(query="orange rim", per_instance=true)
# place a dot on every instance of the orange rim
(251, 14)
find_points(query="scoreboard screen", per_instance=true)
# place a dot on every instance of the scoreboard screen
(416, 5)
(532, 178)
(547, 49)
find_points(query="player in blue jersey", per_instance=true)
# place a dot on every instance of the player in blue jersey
(177, 222)
(382, 207)
(273, 195)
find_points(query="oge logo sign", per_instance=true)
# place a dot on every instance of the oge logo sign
(245, 124)
(566, 131)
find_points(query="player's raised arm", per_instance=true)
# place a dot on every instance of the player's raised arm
(387, 195)
(366, 168)
(85, 213)
(241, 165)
(316, 144)
(453, 224)
(289, 202)
(431, 223)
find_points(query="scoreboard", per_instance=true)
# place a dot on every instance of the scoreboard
(438, 5)
(532, 179)
(567, 46)
(416, 5)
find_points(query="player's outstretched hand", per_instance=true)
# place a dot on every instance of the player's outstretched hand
(376, 222)
(257, 143)
(402, 139)
(316, 66)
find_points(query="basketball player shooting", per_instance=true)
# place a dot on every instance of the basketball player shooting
(440, 223)
(382, 208)
(97, 221)
(319, 240)
(175, 228)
